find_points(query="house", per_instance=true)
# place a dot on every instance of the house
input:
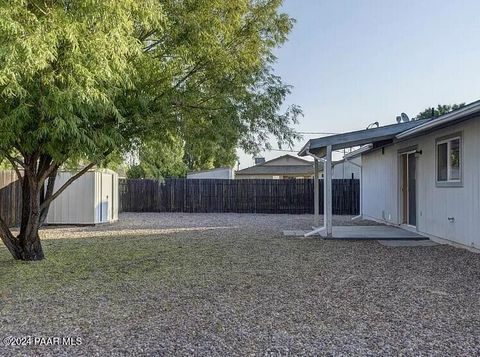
(91, 199)
(421, 175)
(225, 173)
(283, 167)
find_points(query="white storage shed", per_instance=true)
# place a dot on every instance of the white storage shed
(91, 199)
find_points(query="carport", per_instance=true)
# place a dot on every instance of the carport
(321, 150)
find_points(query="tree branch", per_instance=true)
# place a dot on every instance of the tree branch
(182, 80)
(48, 172)
(65, 185)
(143, 35)
(49, 200)
(152, 44)
(13, 159)
(196, 106)
(44, 167)
(46, 195)
(8, 239)
(17, 170)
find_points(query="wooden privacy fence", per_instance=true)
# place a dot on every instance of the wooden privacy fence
(240, 196)
(10, 198)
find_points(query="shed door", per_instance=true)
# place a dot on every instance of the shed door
(105, 197)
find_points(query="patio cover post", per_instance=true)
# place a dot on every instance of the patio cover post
(327, 201)
(316, 194)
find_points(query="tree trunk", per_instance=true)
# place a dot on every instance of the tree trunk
(28, 242)
(26, 246)
(30, 247)
(36, 200)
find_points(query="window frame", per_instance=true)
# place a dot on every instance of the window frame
(447, 140)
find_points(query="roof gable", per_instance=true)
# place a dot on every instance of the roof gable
(286, 160)
(285, 164)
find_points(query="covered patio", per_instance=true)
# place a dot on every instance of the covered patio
(321, 150)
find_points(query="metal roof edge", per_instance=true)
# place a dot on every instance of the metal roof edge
(303, 150)
(358, 137)
(446, 118)
(359, 151)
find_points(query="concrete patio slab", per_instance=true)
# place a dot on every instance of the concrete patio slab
(407, 243)
(373, 232)
(364, 232)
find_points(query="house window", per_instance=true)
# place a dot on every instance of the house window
(449, 161)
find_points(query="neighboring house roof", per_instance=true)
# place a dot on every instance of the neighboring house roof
(385, 135)
(292, 160)
(210, 170)
(277, 170)
(297, 166)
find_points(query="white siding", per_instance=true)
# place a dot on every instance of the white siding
(80, 203)
(70, 206)
(220, 173)
(380, 187)
(345, 169)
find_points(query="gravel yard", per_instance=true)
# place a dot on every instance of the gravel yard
(169, 223)
(232, 284)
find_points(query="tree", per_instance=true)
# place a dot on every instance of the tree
(81, 82)
(439, 110)
(199, 148)
(158, 160)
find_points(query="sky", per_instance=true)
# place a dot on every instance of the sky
(354, 62)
